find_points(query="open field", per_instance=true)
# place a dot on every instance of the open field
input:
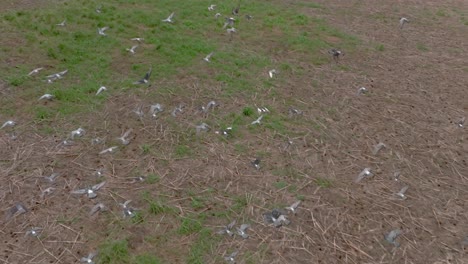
(317, 133)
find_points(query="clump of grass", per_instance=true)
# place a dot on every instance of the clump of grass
(145, 148)
(240, 203)
(324, 183)
(183, 151)
(421, 47)
(248, 111)
(380, 47)
(280, 184)
(158, 207)
(201, 247)
(152, 178)
(190, 224)
(147, 259)
(114, 252)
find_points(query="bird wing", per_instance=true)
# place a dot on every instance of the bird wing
(231, 225)
(148, 74)
(296, 204)
(98, 186)
(80, 191)
(243, 227)
(403, 190)
(170, 16)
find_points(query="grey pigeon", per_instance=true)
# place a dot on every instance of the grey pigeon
(35, 71)
(241, 231)
(229, 22)
(365, 173)
(401, 193)
(88, 259)
(46, 97)
(15, 210)
(361, 90)
(77, 133)
(90, 192)
(256, 163)
(169, 18)
(9, 123)
(100, 207)
(378, 147)
(403, 21)
(231, 257)
(34, 232)
(145, 78)
(392, 236)
(336, 54)
(293, 207)
(202, 127)
(102, 31)
(52, 177)
(62, 24)
(257, 121)
(227, 229)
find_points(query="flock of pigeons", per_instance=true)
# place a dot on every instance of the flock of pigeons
(276, 217)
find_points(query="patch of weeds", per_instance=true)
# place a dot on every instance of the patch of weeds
(324, 183)
(183, 151)
(138, 218)
(147, 259)
(248, 111)
(114, 252)
(16, 80)
(280, 184)
(145, 148)
(152, 178)
(275, 123)
(380, 47)
(240, 148)
(300, 197)
(421, 47)
(190, 224)
(197, 203)
(43, 113)
(292, 188)
(240, 203)
(201, 247)
(158, 207)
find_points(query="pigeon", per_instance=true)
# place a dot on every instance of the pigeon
(365, 173)
(178, 109)
(55, 76)
(401, 193)
(145, 78)
(67, 142)
(226, 132)
(99, 173)
(227, 229)
(229, 22)
(217, 15)
(208, 57)
(132, 49)
(9, 123)
(280, 221)
(403, 21)
(100, 207)
(90, 192)
(108, 150)
(46, 97)
(396, 176)
(35, 71)
(52, 177)
(261, 110)
(96, 141)
(101, 89)
(102, 31)
(139, 111)
(272, 73)
(99, 9)
(16, 209)
(211, 7)
(202, 127)
(392, 236)
(128, 211)
(34, 232)
(461, 123)
(138, 39)
(235, 11)
(138, 179)
(293, 111)
(125, 204)
(248, 17)
(378, 147)
(241, 231)
(209, 105)
(123, 139)
(47, 192)
(361, 90)
(169, 18)
(155, 109)
(293, 207)
(77, 133)
(231, 30)
(273, 217)
(256, 163)
(336, 54)
(231, 257)
(257, 121)
(88, 259)
(62, 24)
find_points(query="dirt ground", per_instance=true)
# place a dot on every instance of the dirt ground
(417, 92)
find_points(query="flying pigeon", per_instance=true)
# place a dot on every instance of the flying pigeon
(202, 127)
(47, 192)
(241, 231)
(16, 209)
(34, 232)
(396, 176)
(403, 21)
(90, 192)
(461, 123)
(155, 109)
(361, 90)
(365, 173)
(217, 15)
(99, 9)
(209, 105)
(257, 121)
(392, 236)
(248, 17)
(100, 207)
(55, 76)
(272, 73)
(229, 22)
(128, 211)
(294, 111)
(102, 31)
(123, 139)
(35, 71)
(46, 97)
(261, 110)
(169, 18)
(231, 30)
(336, 54)
(9, 123)
(52, 177)
(132, 49)
(293, 207)
(88, 259)
(139, 111)
(62, 24)
(145, 78)
(235, 11)
(101, 89)
(99, 173)
(208, 57)
(378, 147)
(77, 133)
(227, 229)
(108, 150)
(276, 218)
(138, 39)
(211, 7)
(401, 193)
(178, 109)
(256, 163)
(96, 141)
(231, 257)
